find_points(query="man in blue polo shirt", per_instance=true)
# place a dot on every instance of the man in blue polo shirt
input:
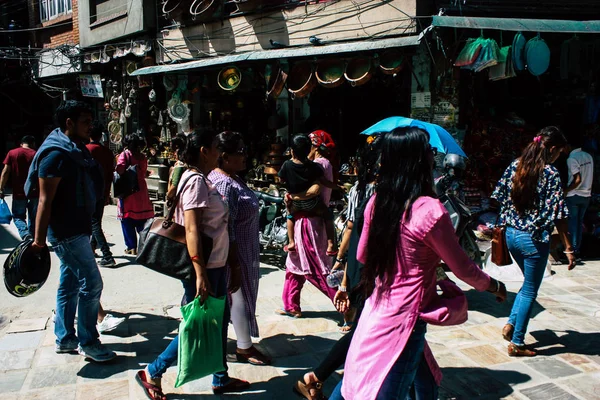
(67, 178)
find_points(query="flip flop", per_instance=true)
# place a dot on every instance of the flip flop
(304, 390)
(347, 325)
(293, 314)
(140, 378)
(255, 357)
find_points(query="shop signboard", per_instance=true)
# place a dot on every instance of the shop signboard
(91, 85)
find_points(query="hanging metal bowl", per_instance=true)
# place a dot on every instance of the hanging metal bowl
(276, 83)
(330, 73)
(229, 78)
(391, 62)
(358, 71)
(301, 80)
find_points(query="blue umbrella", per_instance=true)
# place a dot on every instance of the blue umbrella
(438, 136)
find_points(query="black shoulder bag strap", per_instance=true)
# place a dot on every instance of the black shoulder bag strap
(171, 212)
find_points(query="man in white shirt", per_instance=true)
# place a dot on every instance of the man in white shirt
(579, 192)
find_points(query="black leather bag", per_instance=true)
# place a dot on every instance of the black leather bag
(162, 245)
(127, 183)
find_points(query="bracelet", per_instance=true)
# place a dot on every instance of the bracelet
(497, 286)
(196, 259)
(342, 289)
(568, 252)
(340, 260)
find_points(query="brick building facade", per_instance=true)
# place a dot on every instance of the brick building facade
(62, 28)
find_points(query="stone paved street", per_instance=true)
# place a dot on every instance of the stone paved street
(565, 329)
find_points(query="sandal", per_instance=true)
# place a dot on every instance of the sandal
(312, 391)
(347, 327)
(141, 379)
(520, 351)
(293, 314)
(254, 357)
(288, 250)
(234, 385)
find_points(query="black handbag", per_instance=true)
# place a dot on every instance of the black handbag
(127, 183)
(162, 245)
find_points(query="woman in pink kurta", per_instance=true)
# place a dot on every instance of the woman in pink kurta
(135, 209)
(406, 233)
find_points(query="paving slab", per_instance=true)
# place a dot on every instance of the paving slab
(53, 376)
(27, 325)
(547, 391)
(118, 390)
(21, 341)
(12, 381)
(517, 375)
(586, 386)
(47, 356)
(11, 360)
(62, 392)
(551, 367)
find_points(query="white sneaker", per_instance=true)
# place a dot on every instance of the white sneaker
(97, 352)
(109, 323)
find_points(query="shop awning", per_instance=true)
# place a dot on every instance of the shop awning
(518, 24)
(339, 48)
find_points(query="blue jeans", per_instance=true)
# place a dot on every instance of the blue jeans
(98, 238)
(218, 283)
(80, 286)
(577, 206)
(130, 226)
(532, 257)
(409, 371)
(23, 212)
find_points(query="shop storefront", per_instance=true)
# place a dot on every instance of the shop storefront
(498, 81)
(271, 95)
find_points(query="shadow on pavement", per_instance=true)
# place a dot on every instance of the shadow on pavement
(7, 240)
(550, 344)
(486, 303)
(155, 332)
(273, 257)
(470, 382)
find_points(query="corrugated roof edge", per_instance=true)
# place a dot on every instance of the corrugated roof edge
(307, 51)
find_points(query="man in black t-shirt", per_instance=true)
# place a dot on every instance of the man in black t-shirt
(68, 179)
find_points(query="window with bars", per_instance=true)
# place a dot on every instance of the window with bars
(50, 9)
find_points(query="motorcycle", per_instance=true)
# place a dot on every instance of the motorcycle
(272, 221)
(448, 190)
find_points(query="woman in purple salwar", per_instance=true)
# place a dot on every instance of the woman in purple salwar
(244, 248)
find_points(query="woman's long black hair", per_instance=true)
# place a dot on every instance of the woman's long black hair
(405, 174)
(532, 162)
(194, 142)
(368, 167)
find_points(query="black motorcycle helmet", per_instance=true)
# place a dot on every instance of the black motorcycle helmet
(25, 271)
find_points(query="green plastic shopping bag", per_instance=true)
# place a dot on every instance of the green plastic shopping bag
(200, 348)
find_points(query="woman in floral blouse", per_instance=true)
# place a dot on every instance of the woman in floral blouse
(532, 202)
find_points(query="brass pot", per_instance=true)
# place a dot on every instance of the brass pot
(271, 170)
(301, 80)
(391, 62)
(330, 73)
(229, 78)
(359, 71)
(276, 83)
